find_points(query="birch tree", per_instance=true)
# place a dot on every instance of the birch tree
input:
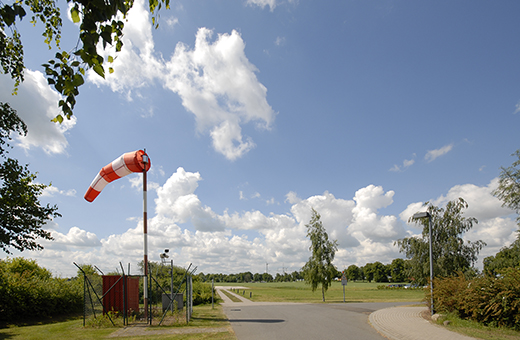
(319, 270)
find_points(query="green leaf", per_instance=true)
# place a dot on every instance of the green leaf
(78, 80)
(99, 70)
(74, 14)
(58, 119)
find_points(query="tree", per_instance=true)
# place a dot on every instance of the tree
(397, 270)
(296, 275)
(267, 277)
(353, 273)
(376, 271)
(507, 257)
(100, 23)
(368, 271)
(508, 190)
(21, 215)
(451, 254)
(380, 272)
(319, 270)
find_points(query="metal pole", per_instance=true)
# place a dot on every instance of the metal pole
(212, 289)
(431, 261)
(145, 232)
(84, 297)
(171, 284)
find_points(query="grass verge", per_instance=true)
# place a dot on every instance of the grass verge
(231, 296)
(478, 330)
(203, 317)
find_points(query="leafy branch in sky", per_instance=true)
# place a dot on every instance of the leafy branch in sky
(100, 24)
(21, 215)
(508, 190)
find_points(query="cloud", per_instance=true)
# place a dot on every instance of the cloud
(215, 80)
(135, 66)
(237, 241)
(292, 197)
(176, 199)
(481, 202)
(431, 155)
(75, 238)
(172, 21)
(218, 85)
(52, 191)
(262, 3)
(36, 104)
(280, 41)
(406, 163)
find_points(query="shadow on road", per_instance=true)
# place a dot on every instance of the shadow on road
(257, 320)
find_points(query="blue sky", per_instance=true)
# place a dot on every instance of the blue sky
(252, 112)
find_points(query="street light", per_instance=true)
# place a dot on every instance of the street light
(423, 215)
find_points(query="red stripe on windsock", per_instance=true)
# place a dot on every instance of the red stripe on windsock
(133, 161)
(91, 194)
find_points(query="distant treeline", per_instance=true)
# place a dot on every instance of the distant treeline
(371, 272)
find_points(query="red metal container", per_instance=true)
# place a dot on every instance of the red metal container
(114, 289)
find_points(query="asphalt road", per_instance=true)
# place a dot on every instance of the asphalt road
(303, 321)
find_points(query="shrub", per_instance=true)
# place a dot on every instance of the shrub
(201, 293)
(487, 299)
(28, 291)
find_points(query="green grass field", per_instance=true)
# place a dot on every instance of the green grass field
(301, 292)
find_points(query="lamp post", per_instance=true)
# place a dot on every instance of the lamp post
(423, 215)
(145, 234)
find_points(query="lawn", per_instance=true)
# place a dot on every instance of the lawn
(301, 292)
(203, 317)
(478, 330)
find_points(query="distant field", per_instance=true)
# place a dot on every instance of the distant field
(301, 292)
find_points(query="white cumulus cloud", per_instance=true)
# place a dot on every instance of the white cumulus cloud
(217, 83)
(215, 80)
(236, 241)
(36, 104)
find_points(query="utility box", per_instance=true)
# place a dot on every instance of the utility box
(120, 292)
(177, 302)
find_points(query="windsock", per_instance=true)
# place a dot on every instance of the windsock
(122, 166)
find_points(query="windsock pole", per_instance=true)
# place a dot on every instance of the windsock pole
(145, 232)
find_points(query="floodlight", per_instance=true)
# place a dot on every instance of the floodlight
(421, 214)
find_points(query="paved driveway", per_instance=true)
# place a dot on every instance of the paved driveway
(265, 320)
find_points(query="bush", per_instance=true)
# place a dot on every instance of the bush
(201, 293)
(487, 299)
(29, 291)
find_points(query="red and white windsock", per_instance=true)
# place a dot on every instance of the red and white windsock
(122, 166)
